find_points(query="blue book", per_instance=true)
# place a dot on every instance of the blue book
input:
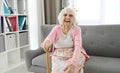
(25, 26)
(6, 9)
(7, 3)
(21, 21)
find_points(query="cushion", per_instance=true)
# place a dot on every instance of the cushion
(98, 64)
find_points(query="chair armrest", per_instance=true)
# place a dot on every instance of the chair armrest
(30, 54)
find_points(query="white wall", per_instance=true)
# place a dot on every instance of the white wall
(35, 20)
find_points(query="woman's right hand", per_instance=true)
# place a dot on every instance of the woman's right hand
(46, 45)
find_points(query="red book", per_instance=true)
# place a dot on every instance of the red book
(13, 21)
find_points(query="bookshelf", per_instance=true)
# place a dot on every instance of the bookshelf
(14, 31)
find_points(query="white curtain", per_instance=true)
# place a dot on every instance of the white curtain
(97, 11)
(36, 18)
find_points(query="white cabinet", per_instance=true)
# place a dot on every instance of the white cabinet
(14, 31)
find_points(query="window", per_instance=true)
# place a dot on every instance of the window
(96, 11)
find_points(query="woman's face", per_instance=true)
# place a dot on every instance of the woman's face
(67, 19)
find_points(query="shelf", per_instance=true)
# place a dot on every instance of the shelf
(27, 45)
(2, 45)
(13, 57)
(1, 7)
(2, 34)
(3, 60)
(13, 40)
(22, 14)
(22, 51)
(10, 50)
(10, 14)
(11, 32)
(22, 8)
(23, 30)
(1, 14)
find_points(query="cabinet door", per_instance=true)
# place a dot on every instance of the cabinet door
(3, 61)
(23, 37)
(10, 41)
(2, 43)
(13, 57)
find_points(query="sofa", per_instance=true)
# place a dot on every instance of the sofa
(101, 42)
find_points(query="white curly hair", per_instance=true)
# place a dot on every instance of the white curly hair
(62, 13)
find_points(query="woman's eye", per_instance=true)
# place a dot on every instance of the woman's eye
(65, 14)
(71, 15)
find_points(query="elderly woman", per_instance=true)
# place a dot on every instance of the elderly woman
(68, 55)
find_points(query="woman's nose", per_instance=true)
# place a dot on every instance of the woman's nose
(67, 16)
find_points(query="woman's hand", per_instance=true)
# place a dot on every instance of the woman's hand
(70, 68)
(45, 45)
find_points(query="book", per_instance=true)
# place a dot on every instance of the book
(25, 26)
(21, 22)
(13, 22)
(7, 8)
(8, 24)
(2, 24)
(10, 8)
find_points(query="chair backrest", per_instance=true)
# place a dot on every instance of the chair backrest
(100, 40)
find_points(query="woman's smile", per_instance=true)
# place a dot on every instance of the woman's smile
(67, 21)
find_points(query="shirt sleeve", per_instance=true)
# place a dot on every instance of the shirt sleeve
(52, 35)
(77, 46)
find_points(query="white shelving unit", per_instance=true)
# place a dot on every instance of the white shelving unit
(14, 31)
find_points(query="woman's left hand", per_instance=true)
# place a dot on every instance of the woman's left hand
(70, 68)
